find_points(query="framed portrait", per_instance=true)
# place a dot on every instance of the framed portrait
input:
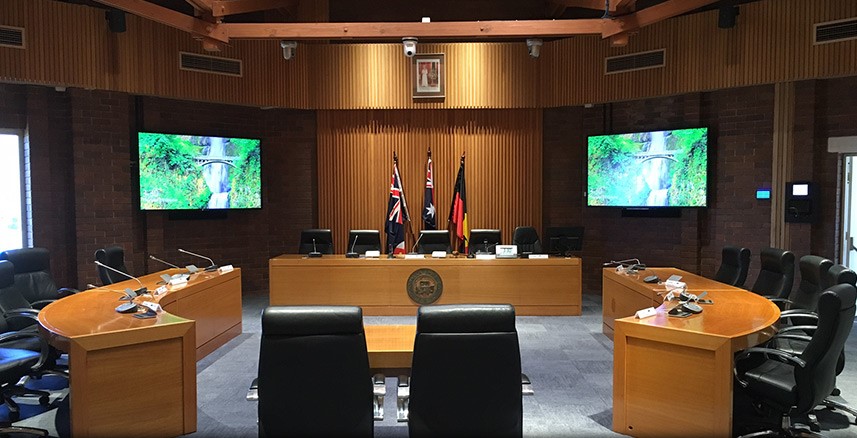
(429, 75)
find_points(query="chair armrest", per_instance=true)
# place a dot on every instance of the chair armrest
(41, 304)
(526, 385)
(253, 391)
(379, 390)
(403, 395)
(800, 328)
(44, 348)
(27, 317)
(795, 337)
(783, 303)
(66, 291)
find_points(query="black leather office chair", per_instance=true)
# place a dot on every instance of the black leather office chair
(433, 240)
(795, 384)
(813, 269)
(776, 277)
(323, 241)
(734, 265)
(32, 276)
(466, 372)
(839, 274)
(113, 256)
(360, 241)
(314, 375)
(527, 240)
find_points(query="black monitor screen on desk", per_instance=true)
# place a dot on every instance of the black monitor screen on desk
(564, 240)
(320, 240)
(360, 241)
(433, 240)
(484, 240)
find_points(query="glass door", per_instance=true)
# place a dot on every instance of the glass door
(13, 230)
(849, 213)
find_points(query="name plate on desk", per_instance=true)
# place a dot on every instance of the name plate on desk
(415, 256)
(373, 254)
(485, 257)
(538, 256)
(438, 254)
(225, 268)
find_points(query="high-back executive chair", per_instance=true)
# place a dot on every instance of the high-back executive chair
(795, 384)
(466, 372)
(839, 274)
(323, 241)
(360, 241)
(734, 265)
(314, 373)
(433, 240)
(776, 277)
(527, 239)
(113, 256)
(32, 276)
(813, 271)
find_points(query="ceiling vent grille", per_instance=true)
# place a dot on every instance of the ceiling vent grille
(636, 61)
(210, 64)
(835, 31)
(12, 37)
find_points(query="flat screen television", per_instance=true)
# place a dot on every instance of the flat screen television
(198, 172)
(648, 169)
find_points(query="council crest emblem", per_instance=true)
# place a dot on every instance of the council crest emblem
(425, 286)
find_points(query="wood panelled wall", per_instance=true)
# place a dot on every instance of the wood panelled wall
(70, 45)
(503, 167)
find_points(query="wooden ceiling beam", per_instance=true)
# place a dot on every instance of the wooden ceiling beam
(625, 6)
(651, 15)
(222, 8)
(392, 31)
(199, 5)
(170, 18)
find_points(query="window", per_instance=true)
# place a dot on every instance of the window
(13, 205)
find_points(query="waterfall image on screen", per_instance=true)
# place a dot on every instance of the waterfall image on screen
(190, 172)
(649, 169)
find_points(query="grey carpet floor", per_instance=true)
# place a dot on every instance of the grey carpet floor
(568, 359)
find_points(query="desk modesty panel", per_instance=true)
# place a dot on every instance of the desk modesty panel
(649, 353)
(399, 286)
(105, 347)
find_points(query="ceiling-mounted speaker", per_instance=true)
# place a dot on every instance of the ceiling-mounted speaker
(115, 20)
(728, 14)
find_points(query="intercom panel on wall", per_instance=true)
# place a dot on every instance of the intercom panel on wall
(801, 202)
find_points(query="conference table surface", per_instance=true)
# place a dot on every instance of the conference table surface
(653, 355)
(390, 346)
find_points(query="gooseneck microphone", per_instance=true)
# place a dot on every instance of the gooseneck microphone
(630, 264)
(130, 306)
(351, 254)
(314, 253)
(414, 248)
(164, 262)
(210, 268)
(142, 290)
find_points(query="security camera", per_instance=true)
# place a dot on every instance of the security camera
(534, 46)
(410, 46)
(289, 48)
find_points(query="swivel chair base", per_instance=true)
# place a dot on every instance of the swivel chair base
(787, 430)
(834, 405)
(16, 391)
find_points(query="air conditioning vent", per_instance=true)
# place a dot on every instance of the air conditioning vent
(12, 37)
(210, 64)
(835, 31)
(637, 61)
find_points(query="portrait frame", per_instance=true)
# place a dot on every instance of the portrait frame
(428, 76)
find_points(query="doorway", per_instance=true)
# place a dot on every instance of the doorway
(849, 213)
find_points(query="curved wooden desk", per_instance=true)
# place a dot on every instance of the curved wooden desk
(121, 366)
(673, 376)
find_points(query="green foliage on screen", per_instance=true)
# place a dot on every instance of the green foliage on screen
(661, 168)
(172, 176)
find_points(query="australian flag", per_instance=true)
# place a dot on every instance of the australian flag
(397, 214)
(429, 213)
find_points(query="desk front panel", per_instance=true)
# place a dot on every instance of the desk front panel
(379, 286)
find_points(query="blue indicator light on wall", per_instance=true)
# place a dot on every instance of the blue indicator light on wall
(763, 194)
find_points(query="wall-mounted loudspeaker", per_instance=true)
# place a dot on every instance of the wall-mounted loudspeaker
(115, 20)
(728, 14)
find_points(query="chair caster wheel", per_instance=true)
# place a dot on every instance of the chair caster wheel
(44, 400)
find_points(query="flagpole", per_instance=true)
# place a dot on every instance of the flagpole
(404, 201)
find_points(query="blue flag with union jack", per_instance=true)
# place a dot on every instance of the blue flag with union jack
(429, 212)
(397, 214)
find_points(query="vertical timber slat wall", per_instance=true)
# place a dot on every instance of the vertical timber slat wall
(69, 45)
(503, 167)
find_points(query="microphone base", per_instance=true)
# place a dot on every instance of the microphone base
(126, 308)
(352, 255)
(314, 255)
(211, 268)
